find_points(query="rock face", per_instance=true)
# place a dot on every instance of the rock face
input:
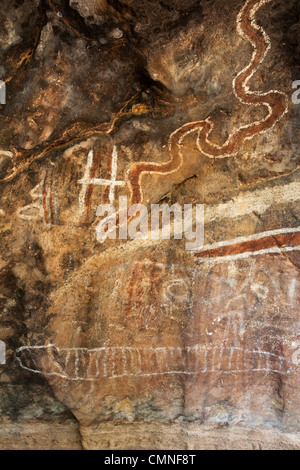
(147, 342)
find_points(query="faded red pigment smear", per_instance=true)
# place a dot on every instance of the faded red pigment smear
(271, 241)
(137, 290)
(274, 100)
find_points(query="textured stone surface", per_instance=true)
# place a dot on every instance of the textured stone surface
(140, 343)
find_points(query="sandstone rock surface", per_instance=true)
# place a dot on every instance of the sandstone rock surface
(143, 344)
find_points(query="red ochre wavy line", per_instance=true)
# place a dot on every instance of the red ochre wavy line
(275, 101)
(252, 246)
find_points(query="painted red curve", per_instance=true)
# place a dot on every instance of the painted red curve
(275, 101)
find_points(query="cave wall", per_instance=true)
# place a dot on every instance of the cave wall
(141, 343)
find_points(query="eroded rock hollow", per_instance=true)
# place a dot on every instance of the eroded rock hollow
(115, 333)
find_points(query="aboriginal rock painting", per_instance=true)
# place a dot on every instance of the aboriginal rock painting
(48, 195)
(216, 335)
(274, 101)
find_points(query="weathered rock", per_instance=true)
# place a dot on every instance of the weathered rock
(141, 343)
